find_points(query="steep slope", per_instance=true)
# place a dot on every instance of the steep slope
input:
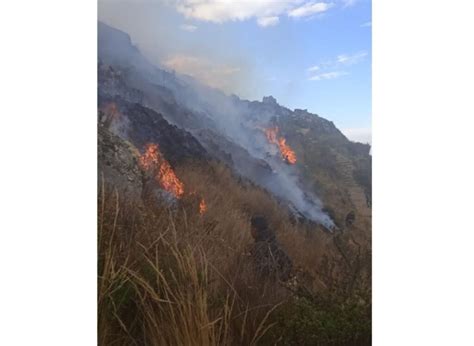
(182, 168)
(329, 170)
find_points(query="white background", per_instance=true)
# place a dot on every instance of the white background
(423, 172)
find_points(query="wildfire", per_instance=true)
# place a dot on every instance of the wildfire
(153, 161)
(149, 159)
(202, 206)
(286, 152)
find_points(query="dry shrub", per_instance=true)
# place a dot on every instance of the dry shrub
(170, 276)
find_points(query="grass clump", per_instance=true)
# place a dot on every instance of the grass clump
(168, 275)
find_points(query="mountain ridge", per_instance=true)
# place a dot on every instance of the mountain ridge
(238, 127)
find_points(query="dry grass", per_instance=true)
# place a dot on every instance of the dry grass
(169, 276)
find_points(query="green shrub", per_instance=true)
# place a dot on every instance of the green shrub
(322, 321)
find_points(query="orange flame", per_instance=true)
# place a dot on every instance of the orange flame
(152, 160)
(286, 152)
(202, 206)
(149, 159)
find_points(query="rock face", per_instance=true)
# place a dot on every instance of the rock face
(190, 121)
(112, 82)
(118, 163)
(269, 100)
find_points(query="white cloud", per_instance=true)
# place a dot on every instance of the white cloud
(320, 72)
(266, 12)
(220, 11)
(351, 59)
(208, 72)
(366, 24)
(339, 61)
(348, 3)
(362, 135)
(328, 75)
(267, 21)
(309, 9)
(188, 27)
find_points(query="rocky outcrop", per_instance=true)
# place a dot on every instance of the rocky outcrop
(118, 164)
(112, 81)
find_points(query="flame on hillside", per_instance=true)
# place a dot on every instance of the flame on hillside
(286, 152)
(202, 206)
(153, 161)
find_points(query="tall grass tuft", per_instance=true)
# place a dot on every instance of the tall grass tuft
(168, 275)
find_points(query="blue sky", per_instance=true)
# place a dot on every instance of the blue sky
(308, 54)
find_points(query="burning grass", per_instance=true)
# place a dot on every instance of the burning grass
(286, 152)
(176, 276)
(202, 206)
(153, 161)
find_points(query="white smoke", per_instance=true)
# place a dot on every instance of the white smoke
(238, 121)
(243, 125)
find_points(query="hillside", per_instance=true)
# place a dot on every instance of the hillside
(182, 168)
